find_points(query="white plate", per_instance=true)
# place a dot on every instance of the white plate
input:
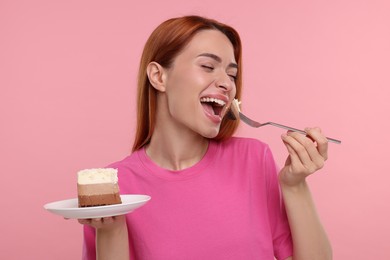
(69, 208)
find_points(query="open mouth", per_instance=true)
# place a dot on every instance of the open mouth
(213, 106)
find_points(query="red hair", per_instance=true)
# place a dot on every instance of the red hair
(163, 45)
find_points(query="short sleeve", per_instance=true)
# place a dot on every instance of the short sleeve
(281, 234)
(89, 248)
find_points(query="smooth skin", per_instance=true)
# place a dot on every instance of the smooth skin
(182, 122)
(112, 241)
(307, 154)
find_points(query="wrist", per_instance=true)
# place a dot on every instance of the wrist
(301, 187)
(112, 225)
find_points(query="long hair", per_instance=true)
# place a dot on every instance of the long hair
(163, 45)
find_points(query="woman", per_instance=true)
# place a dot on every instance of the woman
(214, 196)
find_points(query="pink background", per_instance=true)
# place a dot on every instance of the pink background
(67, 78)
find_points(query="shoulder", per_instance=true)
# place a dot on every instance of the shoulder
(126, 164)
(245, 148)
(249, 155)
(244, 144)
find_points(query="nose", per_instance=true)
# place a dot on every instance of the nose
(225, 82)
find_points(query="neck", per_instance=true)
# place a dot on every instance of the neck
(176, 149)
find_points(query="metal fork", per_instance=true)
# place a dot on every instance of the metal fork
(256, 124)
(235, 111)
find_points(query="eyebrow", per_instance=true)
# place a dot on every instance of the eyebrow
(217, 58)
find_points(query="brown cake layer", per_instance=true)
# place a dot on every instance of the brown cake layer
(99, 200)
(97, 189)
(98, 194)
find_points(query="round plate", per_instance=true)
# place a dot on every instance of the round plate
(69, 208)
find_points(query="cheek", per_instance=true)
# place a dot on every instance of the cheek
(188, 83)
(234, 91)
(179, 95)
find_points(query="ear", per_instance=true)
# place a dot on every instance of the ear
(156, 75)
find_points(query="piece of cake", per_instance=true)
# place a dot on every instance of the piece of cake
(235, 108)
(98, 187)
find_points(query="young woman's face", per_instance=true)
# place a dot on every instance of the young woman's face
(200, 85)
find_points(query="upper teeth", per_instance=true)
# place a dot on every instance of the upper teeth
(209, 99)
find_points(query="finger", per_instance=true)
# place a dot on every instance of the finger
(97, 220)
(307, 152)
(317, 160)
(108, 220)
(288, 159)
(300, 162)
(298, 152)
(293, 159)
(84, 221)
(320, 139)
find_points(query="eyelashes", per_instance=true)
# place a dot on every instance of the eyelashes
(233, 77)
(207, 67)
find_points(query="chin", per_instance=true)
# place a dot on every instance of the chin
(211, 133)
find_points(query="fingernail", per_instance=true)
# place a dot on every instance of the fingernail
(307, 129)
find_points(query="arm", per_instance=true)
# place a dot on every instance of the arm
(305, 157)
(112, 241)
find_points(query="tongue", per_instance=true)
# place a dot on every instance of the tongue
(208, 108)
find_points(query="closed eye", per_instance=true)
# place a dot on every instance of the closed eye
(233, 77)
(211, 68)
(207, 67)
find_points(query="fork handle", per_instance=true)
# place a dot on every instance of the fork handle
(299, 131)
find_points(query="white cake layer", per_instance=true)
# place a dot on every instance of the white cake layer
(98, 175)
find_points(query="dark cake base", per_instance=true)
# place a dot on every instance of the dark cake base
(99, 200)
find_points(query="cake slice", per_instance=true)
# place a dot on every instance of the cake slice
(98, 187)
(235, 109)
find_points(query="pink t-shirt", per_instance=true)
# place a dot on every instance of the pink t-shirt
(227, 206)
